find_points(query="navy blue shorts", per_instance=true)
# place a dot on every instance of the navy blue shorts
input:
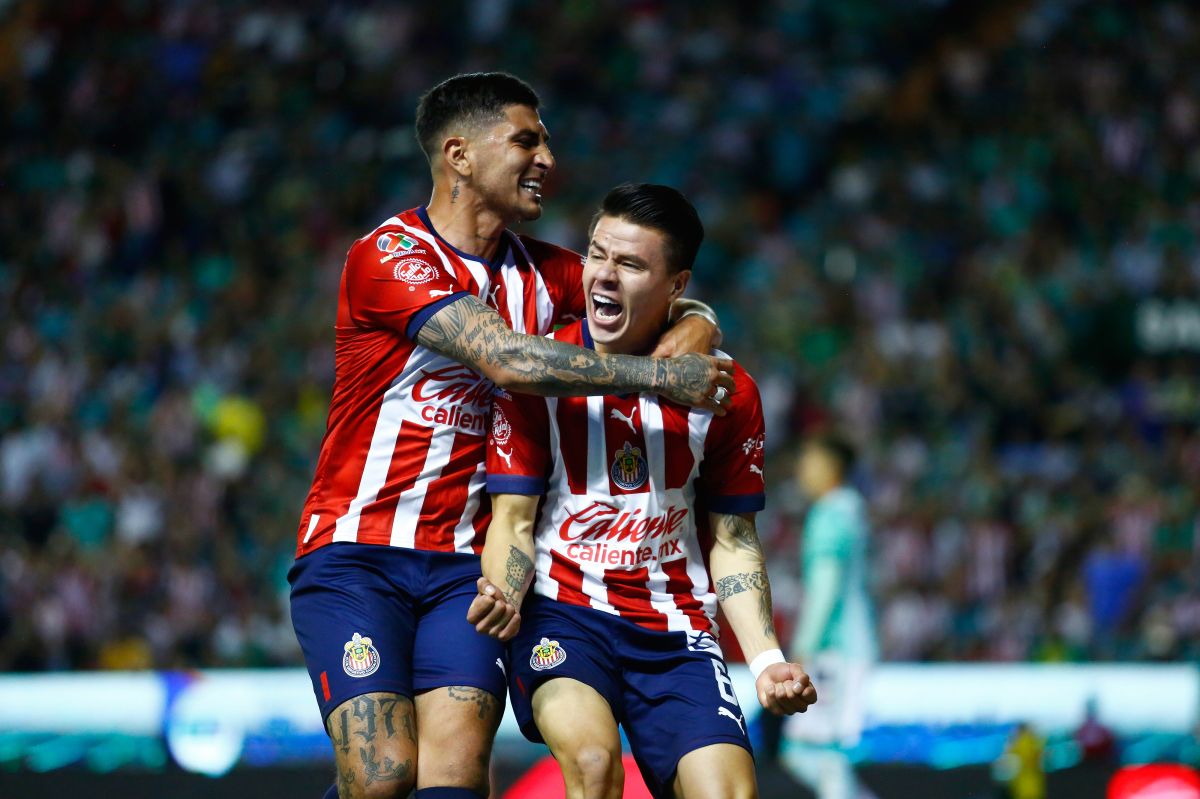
(669, 690)
(381, 618)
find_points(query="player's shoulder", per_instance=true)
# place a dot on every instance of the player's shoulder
(397, 243)
(743, 382)
(546, 255)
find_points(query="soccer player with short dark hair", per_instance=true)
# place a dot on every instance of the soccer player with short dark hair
(438, 306)
(610, 506)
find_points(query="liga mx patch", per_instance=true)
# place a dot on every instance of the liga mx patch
(546, 655)
(629, 468)
(361, 658)
(391, 241)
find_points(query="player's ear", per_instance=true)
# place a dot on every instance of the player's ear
(454, 153)
(680, 285)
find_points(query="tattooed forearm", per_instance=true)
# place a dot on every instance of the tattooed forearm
(517, 571)
(473, 334)
(738, 583)
(744, 581)
(484, 702)
(386, 771)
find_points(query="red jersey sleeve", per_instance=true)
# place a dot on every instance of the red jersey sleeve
(562, 269)
(518, 453)
(392, 289)
(731, 474)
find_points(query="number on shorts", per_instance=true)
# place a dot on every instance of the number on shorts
(724, 684)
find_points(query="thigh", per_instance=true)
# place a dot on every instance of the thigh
(678, 699)
(355, 626)
(558, 640)
(455, 728)
(446, 649)
(716, 771)
(374, 745)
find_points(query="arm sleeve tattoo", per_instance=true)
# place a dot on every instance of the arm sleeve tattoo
(473, 334)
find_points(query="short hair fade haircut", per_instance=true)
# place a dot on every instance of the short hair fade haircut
(474, 97)
(660, 208)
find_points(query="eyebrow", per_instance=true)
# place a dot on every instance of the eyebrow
(531, 132)
(633, 259)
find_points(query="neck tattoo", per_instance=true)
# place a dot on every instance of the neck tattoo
(454, 191)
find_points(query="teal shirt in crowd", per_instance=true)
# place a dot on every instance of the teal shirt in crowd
(837, 607)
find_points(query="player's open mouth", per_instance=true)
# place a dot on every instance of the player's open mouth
(605, 309)
(532, 186)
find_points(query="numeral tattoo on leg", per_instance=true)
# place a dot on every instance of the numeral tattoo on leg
(388, 709)
(364, 709)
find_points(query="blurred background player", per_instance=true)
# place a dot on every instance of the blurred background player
(835, 638)
(620, 629)
(431, 310)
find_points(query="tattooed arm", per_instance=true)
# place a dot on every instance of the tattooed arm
(739, 571)
(507, 566)
(473, 334)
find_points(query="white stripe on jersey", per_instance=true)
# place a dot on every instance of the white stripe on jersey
(656, 444)
(312, 525)
(410, 502)
(379, 461)
(514, 287)
(464, 531)
(544, 305)
(597, 455)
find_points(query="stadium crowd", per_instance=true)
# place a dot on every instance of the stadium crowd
(967, 236)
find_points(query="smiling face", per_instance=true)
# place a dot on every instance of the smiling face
(509, 161)
(628, 285)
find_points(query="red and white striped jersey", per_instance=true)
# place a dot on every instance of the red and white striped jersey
(629, 481)
(402, 461)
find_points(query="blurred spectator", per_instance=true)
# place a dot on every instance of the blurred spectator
(966, 232)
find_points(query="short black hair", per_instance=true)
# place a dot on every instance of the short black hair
(837, 447)
(473, 97)
(661, 208)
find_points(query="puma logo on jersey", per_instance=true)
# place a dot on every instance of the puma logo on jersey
(506, 455)
(757, 471)
(492, 300)
(626, 419)
(440, 293)
(724, 711)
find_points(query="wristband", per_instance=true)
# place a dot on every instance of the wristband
(764, 659)
(704, 313)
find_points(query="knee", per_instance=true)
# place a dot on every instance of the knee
(376, 777)
(598, 766)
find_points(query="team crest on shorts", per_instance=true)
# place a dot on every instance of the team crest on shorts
(629, 468)
(361, 658)
(547, 655)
